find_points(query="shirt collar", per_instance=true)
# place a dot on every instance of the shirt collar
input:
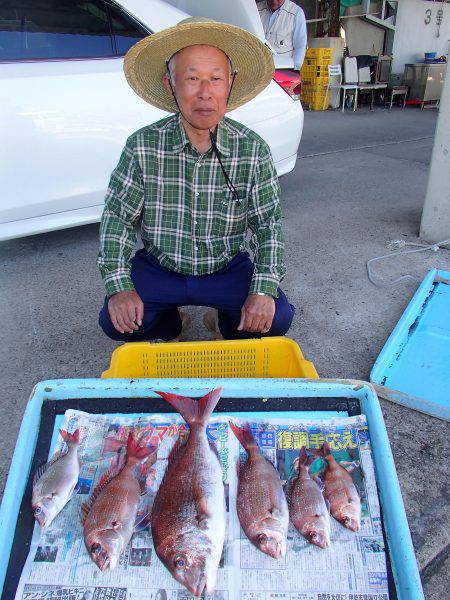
(272, 12)
(223, 140)
(180, 139)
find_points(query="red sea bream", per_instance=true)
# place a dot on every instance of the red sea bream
(188, 518)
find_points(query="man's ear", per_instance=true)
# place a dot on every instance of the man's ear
(166, 84)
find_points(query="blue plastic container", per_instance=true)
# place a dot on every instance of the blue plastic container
(415, 360)
(401, 552)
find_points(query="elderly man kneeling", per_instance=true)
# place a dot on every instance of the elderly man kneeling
(197, 181)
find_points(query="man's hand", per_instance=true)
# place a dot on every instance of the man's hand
(126, 310)
(257, 314)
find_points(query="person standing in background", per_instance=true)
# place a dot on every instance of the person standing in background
(284, 25)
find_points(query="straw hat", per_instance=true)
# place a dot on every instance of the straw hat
(145, 62)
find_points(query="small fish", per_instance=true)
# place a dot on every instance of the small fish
(307, 507)
(188, 517)
(340, 492)
(110, 517)
(261, 504)
(55, 483)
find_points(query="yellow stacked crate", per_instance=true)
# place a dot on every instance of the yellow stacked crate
(320, 53)
(315, 77)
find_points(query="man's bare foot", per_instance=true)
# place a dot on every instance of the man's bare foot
(186, 322)
(211, 322)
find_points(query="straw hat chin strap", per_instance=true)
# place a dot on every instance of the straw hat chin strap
(212, 137)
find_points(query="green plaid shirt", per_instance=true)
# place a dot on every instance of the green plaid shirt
(190, 221)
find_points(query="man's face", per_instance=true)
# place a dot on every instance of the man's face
(275, 4)
(201, 81)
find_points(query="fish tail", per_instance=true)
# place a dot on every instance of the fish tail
(70, 438)
(194, 411)
(244, 435)
(324, 451)
(135, 450)
(303, 458)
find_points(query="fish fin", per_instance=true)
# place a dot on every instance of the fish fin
(214, 449)
(70, 438)
(276, 512)
(194, 411)
(324, 452)
(288, 489)
(303, 458)
(310, 457)
(101, 484)
(143, 453)
(75, 489)
(41, 470)
(143, 471)
(203, 506)
(143, 518)
(85, 508)
(244, 435)
(317, 480)
(317, 452)
(142, 486)
(121, 459)
(114, 445)
(143, 522)
(180, 443)
(203, 510)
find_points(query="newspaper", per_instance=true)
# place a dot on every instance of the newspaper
(352, 568)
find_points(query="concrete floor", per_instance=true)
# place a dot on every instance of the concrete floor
(359, 183)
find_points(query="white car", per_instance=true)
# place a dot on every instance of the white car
(66, 109)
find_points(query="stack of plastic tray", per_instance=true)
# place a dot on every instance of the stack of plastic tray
(315, 77)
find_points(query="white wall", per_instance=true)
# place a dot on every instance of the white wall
(413, 37)
(362, 37)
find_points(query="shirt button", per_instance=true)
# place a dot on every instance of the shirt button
(197, 194)
(196, 247)
(196, 222)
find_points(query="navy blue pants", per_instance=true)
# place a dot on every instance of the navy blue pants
(162, 291)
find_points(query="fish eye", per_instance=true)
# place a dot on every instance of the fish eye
(95, 548)
(181, 562)
(262, 538)
(37, 510)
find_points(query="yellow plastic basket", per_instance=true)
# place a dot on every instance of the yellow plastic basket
(265, 357)
(319, 53)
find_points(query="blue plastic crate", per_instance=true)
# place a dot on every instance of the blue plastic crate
(414, 364)
(401, 552)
